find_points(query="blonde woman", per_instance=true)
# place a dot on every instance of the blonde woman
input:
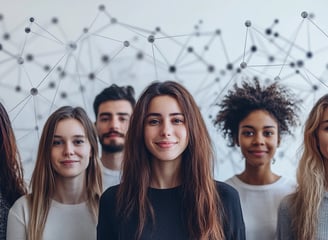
(66, 183)
(303, 214)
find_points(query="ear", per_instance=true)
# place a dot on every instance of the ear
(279, 140)
(236, 142)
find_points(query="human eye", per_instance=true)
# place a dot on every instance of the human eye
(178, 120)
(123, 118)
(57, 142)
(247, 133)
(78, 141)
(324, 127)
(268, 133)
(153, 121)
(104, 119)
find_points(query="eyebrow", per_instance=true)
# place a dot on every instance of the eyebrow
(110, 114)
(250, 126)
(75, 136)
(158, 114)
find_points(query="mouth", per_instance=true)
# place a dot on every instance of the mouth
(258, 153)
(69, 162)
(165, 144)
(113, 135)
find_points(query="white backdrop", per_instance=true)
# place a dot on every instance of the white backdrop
(54, 53)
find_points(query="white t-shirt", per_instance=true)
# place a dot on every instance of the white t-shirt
(260, 204)
(64, 222)
(110, 177)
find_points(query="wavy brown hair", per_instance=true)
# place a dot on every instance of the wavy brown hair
(43, 177)
(12, 183)
(202, 205)
(311, 177)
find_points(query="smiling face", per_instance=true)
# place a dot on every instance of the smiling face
(70, 151)
(258, 138)
(112, 124)
(165, 132)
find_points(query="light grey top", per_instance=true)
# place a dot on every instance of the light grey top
(284, 231)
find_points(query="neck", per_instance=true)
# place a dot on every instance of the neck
(165, 175)
(112, 161)
(70, 191)
(257, 177)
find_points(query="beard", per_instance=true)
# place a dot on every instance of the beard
(112, 146)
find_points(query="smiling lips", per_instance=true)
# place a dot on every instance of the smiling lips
(165, 144)
(69, 162)
(258, 153)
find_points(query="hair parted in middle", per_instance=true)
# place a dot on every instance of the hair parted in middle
(311, 176)
(240, 101)
(43, 177)
(202, 205)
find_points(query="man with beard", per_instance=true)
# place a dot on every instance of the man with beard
(113, 108)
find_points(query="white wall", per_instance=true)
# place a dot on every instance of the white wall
(182, 24)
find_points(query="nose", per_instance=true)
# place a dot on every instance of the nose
(166, 129)
(69, 149)
(114, 123)
(258, 139)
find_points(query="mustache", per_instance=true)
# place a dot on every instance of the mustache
(112, 132)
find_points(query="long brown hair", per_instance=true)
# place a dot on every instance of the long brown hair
(12, 184)
(43, 177)
(311, 177)
(202, 205)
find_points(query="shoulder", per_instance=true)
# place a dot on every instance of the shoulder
(233, 181)
(20, 203)
(226, 192)
(287, 182)
(285, 203)
(109, 195)
(20, 208)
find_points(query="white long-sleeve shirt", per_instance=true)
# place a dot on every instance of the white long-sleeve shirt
(64, 222)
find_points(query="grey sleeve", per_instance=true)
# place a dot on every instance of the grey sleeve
(284, 229)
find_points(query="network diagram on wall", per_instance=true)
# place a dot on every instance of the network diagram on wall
(41, 68)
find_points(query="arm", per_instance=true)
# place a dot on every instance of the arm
(234, 226)
(107, 227)
(284, 231)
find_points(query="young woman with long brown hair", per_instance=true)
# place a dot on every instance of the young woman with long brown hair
(167, 189)
(12, 184)
(66, 182)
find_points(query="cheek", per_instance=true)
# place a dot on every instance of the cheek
(147, 137)
(323, 146)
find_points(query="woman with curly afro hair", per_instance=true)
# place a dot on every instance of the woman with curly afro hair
(254, 117)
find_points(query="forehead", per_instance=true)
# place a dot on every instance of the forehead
(114, 106)
(164, 104)
(259, 118)
(68, 127)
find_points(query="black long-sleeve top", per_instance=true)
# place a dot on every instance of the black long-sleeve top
(169, 222)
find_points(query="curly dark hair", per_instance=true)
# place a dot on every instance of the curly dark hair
(238, 103)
